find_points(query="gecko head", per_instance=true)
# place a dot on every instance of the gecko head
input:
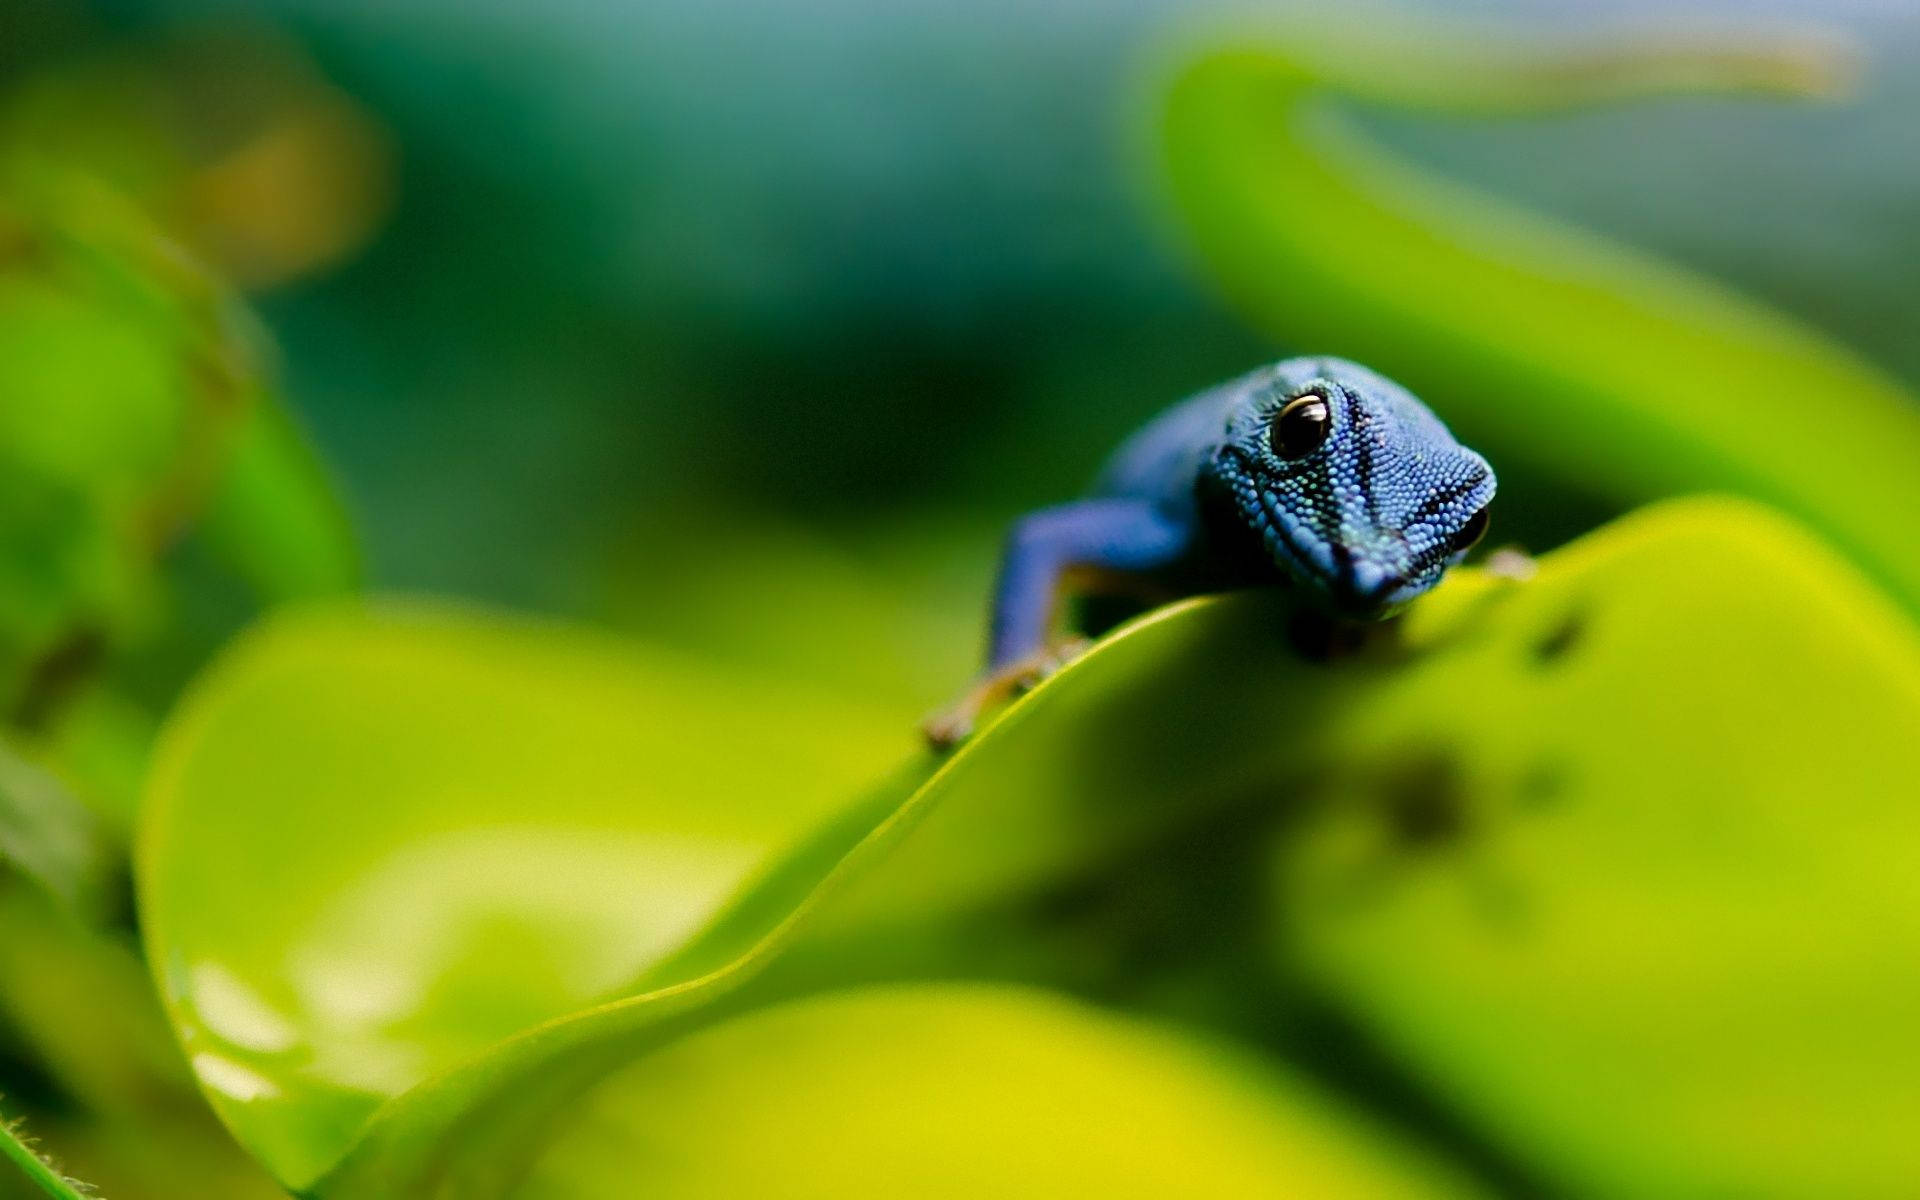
(1354, 488)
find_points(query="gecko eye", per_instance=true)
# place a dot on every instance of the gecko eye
(1470, 533)
(1301, 426)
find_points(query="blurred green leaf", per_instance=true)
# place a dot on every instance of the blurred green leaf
(98, 746)
(47, 835)
(411, 880)
(130, 399)
(962, 1091)
(1643, 908)
(1579, 366)
(118, 380)
(275, 517)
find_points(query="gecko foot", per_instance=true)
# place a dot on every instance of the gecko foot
(946, 728)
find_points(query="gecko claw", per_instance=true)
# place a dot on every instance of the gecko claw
(950, 726)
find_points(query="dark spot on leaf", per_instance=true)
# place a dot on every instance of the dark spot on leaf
(1500, 903)
(1191, 900)
(1560, 639)
(1543, 784)
(54, 677)
(1167, 930)
(20, 245)
(1425, 801)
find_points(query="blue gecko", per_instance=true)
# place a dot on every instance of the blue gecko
(1313, 473)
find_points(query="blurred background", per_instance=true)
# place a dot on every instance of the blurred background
(618, 281)
(663, 313)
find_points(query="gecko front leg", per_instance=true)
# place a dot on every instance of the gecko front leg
(1127, 536)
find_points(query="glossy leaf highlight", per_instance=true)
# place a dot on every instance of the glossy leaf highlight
(440, 829)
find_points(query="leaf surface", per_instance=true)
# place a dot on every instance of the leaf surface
(415, 880)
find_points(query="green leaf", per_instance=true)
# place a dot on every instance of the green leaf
(47, 835)
(18, 1155)
(123, 375)
(1577, 365)
(962, 1091)
(412, 882)
(437, 829)
(1645, 914)
(274, 514)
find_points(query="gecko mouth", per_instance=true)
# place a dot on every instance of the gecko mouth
(1350, 586)
(1362, 585)
(1338, 586)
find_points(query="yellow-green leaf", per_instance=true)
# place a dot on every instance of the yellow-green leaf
(1631, 880)
(433, 830)
(131, 398)
(47, 835)
(274, 515)
(407, 884)
(956, 1091)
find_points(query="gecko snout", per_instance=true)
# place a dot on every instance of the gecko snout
(1371, 588)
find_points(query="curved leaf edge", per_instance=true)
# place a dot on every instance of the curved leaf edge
(668, 1011)
(1651, 370)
